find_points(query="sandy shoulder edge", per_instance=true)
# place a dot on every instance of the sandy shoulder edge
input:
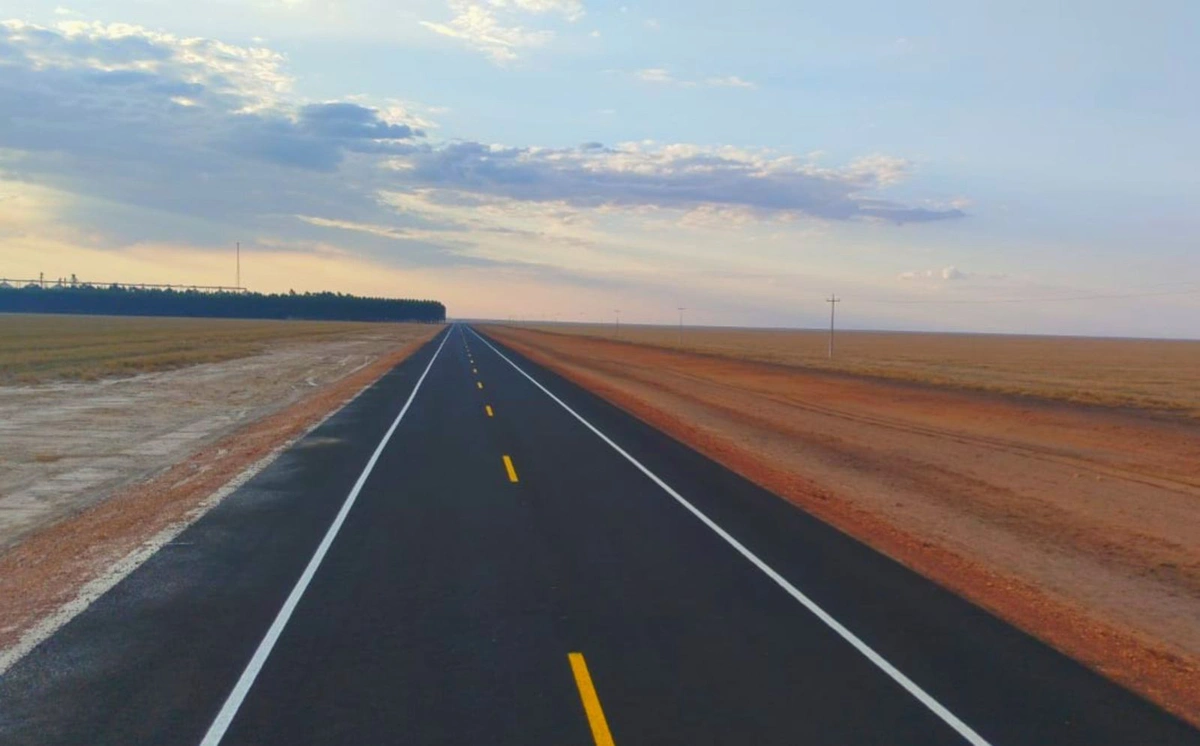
(1122, 656)
(56, 572)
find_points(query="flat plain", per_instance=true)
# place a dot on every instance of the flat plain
(38, 348)
(124, 427)
(1160, 375)
(90, 403)
(1077, 523)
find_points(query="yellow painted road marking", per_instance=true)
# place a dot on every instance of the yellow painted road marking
(479, 384)
(488, 407)
(508, 466)
(591, 703)
(475, 371)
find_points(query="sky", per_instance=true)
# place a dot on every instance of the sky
(1018, 167)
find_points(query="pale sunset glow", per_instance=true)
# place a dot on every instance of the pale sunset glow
(945, 167)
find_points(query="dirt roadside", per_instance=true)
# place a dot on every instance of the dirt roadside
(1079, 525)
(84, 533)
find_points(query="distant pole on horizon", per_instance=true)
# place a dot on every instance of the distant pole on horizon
(681, 309)
(832, 300)
(617, 311)
(239, 265)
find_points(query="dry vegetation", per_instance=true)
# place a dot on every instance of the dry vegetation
(43, 348)
(1161, 375)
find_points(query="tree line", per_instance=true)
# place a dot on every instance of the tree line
(120, 300)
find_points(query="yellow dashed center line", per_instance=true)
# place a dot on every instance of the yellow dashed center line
(475, 371)
(479, 384)
(512, 472)
(488, 407)
(591, 703)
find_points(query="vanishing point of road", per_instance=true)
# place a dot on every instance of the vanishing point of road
(476, 551)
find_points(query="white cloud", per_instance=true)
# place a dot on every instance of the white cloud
(254, 75)
(572, 10)
(729, 81)
(479, 23)
(655, 75)
(663, 76)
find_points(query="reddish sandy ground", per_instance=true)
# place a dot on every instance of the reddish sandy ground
(1078, 524)
(48, 568)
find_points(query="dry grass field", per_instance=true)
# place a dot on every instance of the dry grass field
(1161, 375)
(43, 348)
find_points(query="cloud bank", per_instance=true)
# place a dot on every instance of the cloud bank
(210, 139)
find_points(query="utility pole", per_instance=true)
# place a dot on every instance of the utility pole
(617, 311)
(681, 309)
(239, 265)
(832, 300)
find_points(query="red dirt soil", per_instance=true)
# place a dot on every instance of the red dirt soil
(1078, 524)
(47, 569)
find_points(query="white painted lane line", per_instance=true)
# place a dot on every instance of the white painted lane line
(909, 685)
(229, 710)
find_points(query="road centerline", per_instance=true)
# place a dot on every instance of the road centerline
(591, 701)
(512, 471)
(948, 717)
(233, 702)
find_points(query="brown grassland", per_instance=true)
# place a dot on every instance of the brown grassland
(43, 348)
(1077, 523)
(1162, 375)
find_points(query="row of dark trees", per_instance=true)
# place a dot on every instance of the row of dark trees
(120, 300)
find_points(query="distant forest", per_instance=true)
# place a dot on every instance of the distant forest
(130, 301)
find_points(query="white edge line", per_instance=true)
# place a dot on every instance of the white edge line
(229, 710)
(909, 685)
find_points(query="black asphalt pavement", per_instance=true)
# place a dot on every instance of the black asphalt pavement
(483, 547)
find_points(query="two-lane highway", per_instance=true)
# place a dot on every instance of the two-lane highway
(476, 551)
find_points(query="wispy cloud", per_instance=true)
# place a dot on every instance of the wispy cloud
(729, 81)
(945, 274)
(489, 26)
(656, 75)
(952, 274)
(663, 76)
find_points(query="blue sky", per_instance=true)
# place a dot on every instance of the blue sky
(931, 162)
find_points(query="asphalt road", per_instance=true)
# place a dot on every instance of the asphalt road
(511, 564)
